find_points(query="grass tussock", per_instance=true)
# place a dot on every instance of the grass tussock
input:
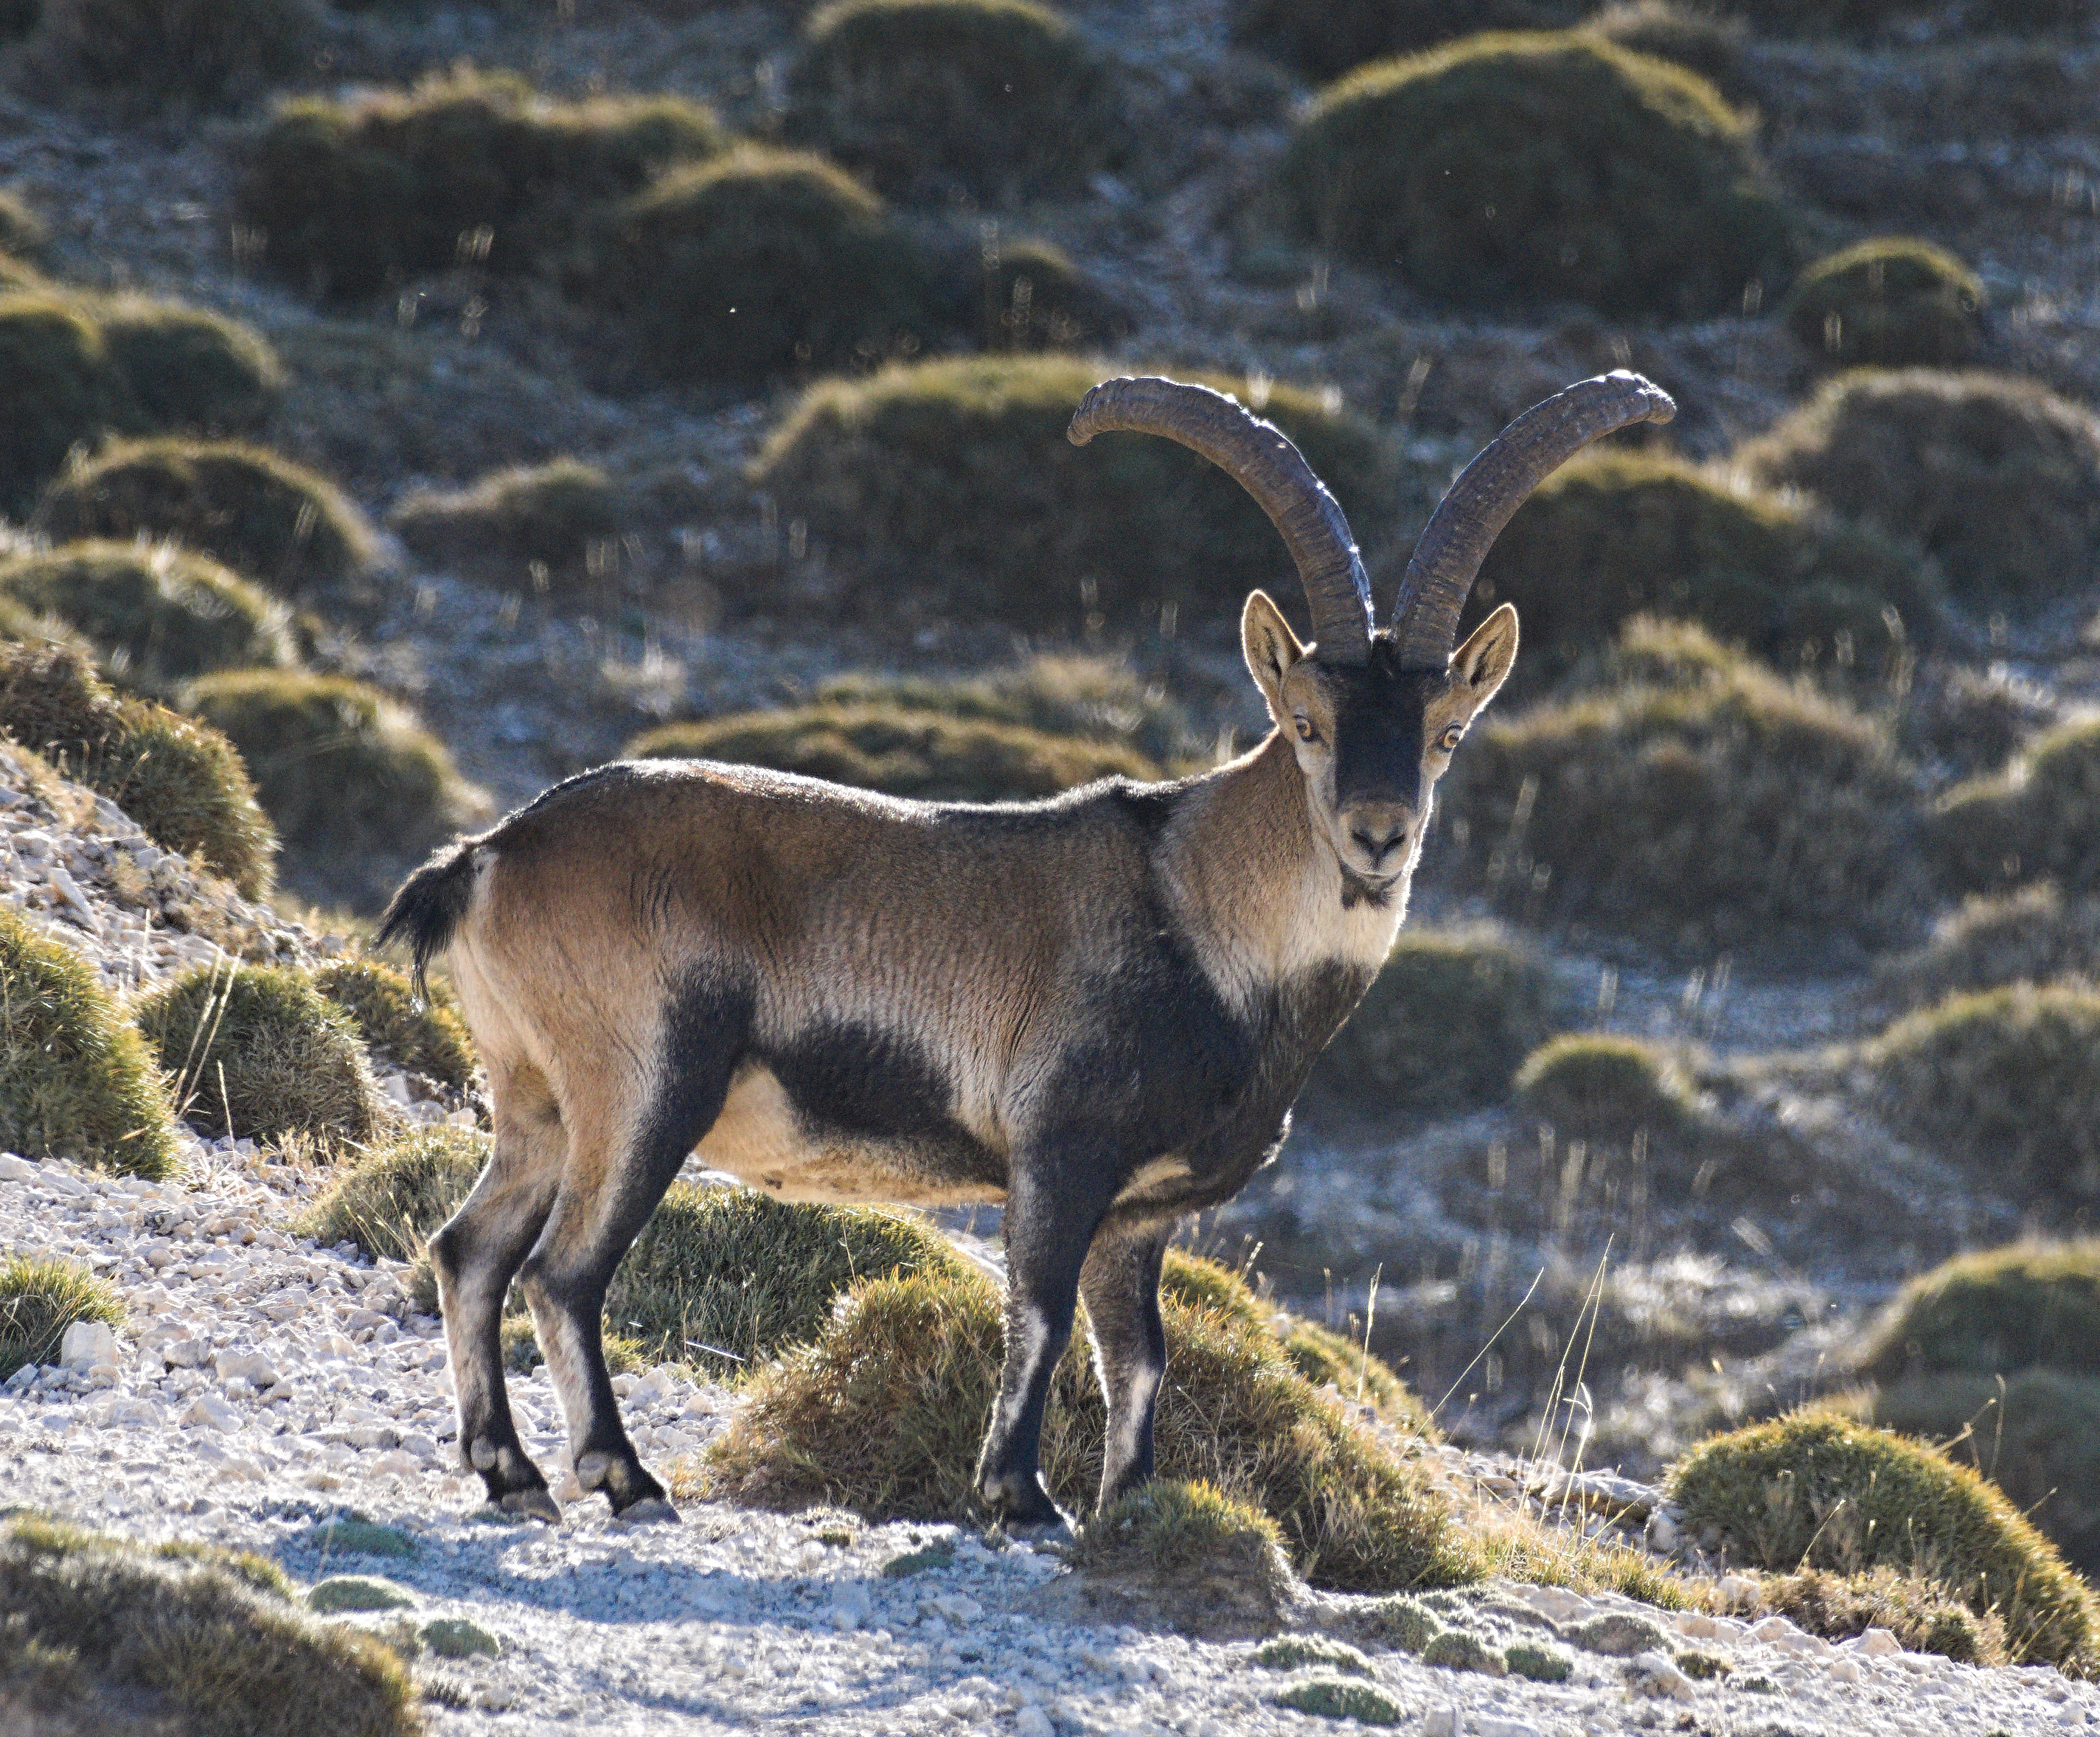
(762, 262)
(1325, 41)
(1172, 1531)
(915, 479)
(1993, 1312)
(902, 753)
(1888, 302)
(1550, 166)
(1999, 479)
(2034, 818)
(1695, 37)
(1621, 534)
(425, 1037)
(1444, 1026)
(39, 1298)
(76, 1081)
(976, 102)
(257, 1051)
(1817, 1490)
(1725, 811)
(393, 1197)
(61, 388)
(1921, 1613)
(188, 367)
(1028, 295)
(270, 520)
(344, 771)
(2036, 935)
(467, 168)
(2005, 1082)
(181, 780)
(532, 524)
(234, 1660)
(883, 1413)
(157, 614)
(1593, 1085)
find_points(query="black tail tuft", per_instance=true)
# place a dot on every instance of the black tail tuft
(429, 908)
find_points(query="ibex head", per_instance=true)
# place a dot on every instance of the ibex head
(1374, 713)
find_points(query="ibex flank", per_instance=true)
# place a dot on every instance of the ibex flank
(1098, 1009)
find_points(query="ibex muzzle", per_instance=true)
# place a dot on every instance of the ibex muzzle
(1098, 1009)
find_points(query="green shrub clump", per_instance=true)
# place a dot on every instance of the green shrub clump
(2034, 818)
(1731, 810)
(1890, 302)
(1192, 1542)
(394, 1197)
(60, 388)
(1816, 1489)
(345, 772)
(203, 53)
(39, 1298)
(1588, 1084)
(1324, 42)
(157, 614)
(188, 367)
(762, 262)
(532, 524)
(201, 1631)
(1618, 533)
(884, 1412)
(2033, 935)
(1516, 167)
(1027, 295)
(1994, 1312)
(263, 516)
(922, 473)
(75, 1080)
(259, 1053)
(468, 168)
(426, 1037)
(1999, 479)
(903, 753)
(980, 101)
(1443, 1025)
(2007, 1083)
(180, 780)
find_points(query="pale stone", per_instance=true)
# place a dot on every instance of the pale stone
(1656, 1674)
(250, 1366)
(212, 1413)
(86, 1344)
(1876, 1643)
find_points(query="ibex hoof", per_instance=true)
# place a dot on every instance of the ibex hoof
(651, 1510)
(535, 1504)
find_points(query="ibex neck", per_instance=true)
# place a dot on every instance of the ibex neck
(1244, 864)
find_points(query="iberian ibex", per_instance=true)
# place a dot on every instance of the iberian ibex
(1098, 1009)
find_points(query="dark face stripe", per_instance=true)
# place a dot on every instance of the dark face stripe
(1378, 735)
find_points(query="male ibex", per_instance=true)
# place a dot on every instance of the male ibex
(1097, 1008)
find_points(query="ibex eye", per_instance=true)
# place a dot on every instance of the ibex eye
(1449, 739)
(1305, 732)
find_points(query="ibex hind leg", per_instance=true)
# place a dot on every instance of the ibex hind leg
(475, 1256)
(1120, 1284)
(619, 1165)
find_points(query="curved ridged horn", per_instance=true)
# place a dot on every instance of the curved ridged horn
(1471, 515)
(1260, 458)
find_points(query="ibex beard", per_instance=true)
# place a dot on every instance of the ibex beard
(1097, 1010)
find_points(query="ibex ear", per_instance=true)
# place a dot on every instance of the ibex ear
(1271, 648)
(1482, 664)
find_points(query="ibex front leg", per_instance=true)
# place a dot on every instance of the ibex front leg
(1048, 1231)
(1120, 1284)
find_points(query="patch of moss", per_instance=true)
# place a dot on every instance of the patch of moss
(972, 101)
(883, 1412)
(347, 773)
(265, 517)
(228, 1657)
(2007, 1083)
(2033, 935)
(1993, 1312)
(180, 780)
(1549, 166)
(1295, 1652)
(914, 479)
(1401, 1622)
(353, 1537)
(157, 614)
(1458, 1650)
(40, 1297)
(189, 369)
(1998, 479)
(1539, 1663)
(258, 1053)
(1187, 1534)
(761, 262)
(1619, 534)
(528, 525)
(923, 755)
(1443, 1027)
(467, 168)
(2034, 818)
(426, 1037)
(1732, 812)
(1888, 302)
(1816, 1489)
(75, 1080)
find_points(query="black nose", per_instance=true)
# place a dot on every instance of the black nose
(1374, 845)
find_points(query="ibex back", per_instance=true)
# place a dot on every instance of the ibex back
(1096, 1009)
